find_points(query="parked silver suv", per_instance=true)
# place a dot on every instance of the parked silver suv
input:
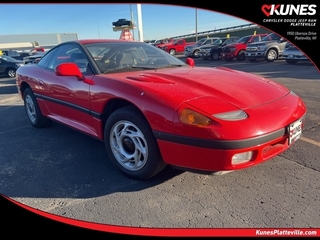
(270, 48)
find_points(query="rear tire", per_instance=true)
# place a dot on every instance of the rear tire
(172, 52)
(130, 144)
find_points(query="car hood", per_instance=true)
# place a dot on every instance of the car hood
(236, 45)
(242, 90)
(216, 46)
(262, 42)
(16, 61)
(193, 45)
(209, 46)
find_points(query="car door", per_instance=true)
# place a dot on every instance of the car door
(66, 98)
(180, 46)
(2, 67)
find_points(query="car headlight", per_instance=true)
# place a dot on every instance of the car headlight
(191, 117)
(231, 116)
(20, 64)
(261, 47)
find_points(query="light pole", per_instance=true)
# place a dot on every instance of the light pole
(140, 22)
(132, 20)
(196, 25)
(98, 28)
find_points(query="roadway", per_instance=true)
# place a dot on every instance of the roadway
(66, 173)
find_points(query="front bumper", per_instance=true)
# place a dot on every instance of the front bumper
(212, 160)
(255, 55)
(204, 54)
(264, 139)
(227, 55)
(294, 55)
(187, 53)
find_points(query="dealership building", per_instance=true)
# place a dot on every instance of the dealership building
(25, 42)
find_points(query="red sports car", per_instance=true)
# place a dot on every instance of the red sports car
(152, 110)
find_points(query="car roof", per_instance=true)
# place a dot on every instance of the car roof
(86, 41)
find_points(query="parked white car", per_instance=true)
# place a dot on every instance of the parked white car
(292, 54)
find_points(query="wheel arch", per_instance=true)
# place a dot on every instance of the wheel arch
(23, 87)
(114, 105)
(240, 50)
(274, 48)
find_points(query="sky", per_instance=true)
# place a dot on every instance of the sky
(95, 20)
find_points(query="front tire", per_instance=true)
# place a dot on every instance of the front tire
(241, 56)
(130, 144)
(32, 109)
(196, 53)
(11, 72)
(271, 55)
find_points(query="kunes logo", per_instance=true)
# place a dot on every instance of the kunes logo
(289, 9)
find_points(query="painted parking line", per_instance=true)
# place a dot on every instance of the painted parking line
(310, 141)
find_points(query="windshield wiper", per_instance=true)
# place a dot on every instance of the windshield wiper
(141, 67)
(145, 67)
(171, 65)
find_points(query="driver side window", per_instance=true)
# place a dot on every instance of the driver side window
(69, 53)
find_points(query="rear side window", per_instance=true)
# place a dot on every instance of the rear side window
(44, 61)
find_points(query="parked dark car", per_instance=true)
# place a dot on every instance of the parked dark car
(14, 54)
(122, 22)
(292, 54)
(213, 51)
(9, 66)
(194, 49)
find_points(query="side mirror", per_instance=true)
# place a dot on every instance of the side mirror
(190, 62)
(71, 69)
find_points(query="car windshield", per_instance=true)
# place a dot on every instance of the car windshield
(271, 36)
(8, 59)
(218, 41)
(244, 39)
(201, 41)
(128, 56)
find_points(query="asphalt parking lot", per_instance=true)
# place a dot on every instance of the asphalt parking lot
(66, 173)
